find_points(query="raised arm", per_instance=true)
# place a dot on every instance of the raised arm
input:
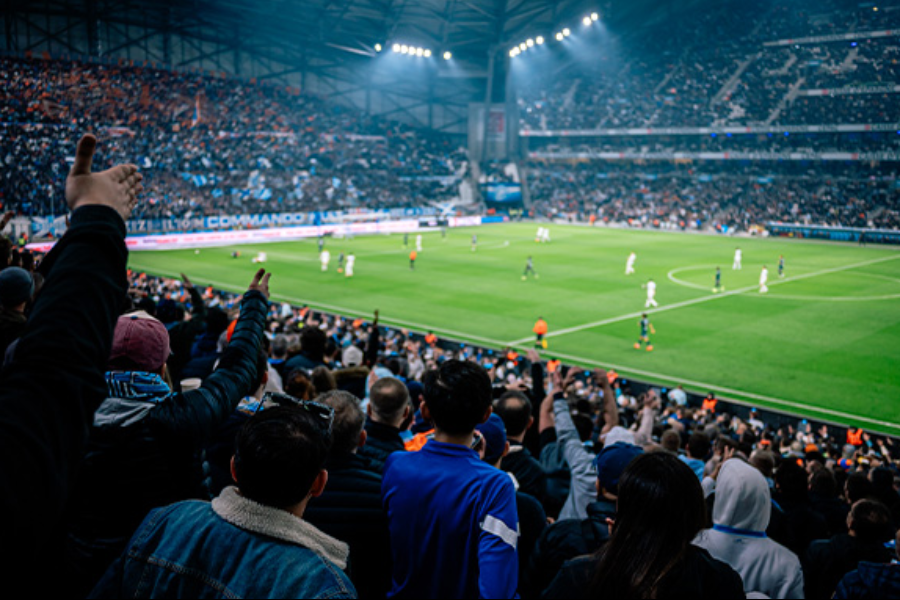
(49, 393)
(610, 410)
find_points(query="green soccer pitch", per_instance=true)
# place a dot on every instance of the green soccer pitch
(824, 342)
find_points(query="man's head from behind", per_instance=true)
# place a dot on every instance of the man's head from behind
(280, 456)
(312, 342)
(514, 408)
(388, 401)
(16, 288)
(611, 463)
(347, 431)
(869, 521)
(457, 396)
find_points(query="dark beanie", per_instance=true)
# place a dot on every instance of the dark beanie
(16, 286)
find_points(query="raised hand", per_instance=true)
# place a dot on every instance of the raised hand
(261, 282)
(117, 187)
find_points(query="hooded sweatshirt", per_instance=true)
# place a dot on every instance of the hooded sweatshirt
(738, 537)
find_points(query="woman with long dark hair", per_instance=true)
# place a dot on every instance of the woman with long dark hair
(660, 509)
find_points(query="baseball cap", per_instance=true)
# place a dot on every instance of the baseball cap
(611, 463)
(16, 286)
(494, 432)
(142, 340)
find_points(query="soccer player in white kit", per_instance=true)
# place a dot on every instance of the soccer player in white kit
(763, 280)
(737, 260)
(629, 265)
(351, 258)
(651, 294)
(324, 257)
(419, 243)
(260, 258)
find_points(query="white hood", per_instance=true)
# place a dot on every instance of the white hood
(742, 497)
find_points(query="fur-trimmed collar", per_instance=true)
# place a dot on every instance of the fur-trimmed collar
(279, 524)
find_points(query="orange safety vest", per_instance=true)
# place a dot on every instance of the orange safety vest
(540, 327)
(431, 339)
(552, 365)
(710, 404)
(412, 255)
(854, 437)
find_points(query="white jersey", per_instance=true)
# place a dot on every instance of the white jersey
(350, 260)
(763, 276)
(651, 289)
(419, 243)
(325, 257)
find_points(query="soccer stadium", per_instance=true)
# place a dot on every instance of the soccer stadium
(450, 299)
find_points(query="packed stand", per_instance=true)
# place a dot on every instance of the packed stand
(719, 64)
(210, 145)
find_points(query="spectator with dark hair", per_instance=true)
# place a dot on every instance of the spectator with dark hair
(660, 510)
(797, 524)
(494, 446)
(388, 408)
(824, 499)
(514, 408)
(350, 508)
(827, 561)
(873, 581)
(882, 479)
(44, 420)
(857, 487)
(16, 290)
(738, 536)
(202, 348)
(312, 350)
(453, 519)
(252, 541)
(145, 442)
(568, 538)
(299, 385)
(698, 447)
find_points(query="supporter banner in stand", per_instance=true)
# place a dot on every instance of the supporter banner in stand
(637, 131)
(835, 37)
(502, 192)
(631, 155)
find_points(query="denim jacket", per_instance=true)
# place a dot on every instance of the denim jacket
(232, 547)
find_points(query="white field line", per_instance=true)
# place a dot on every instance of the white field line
(304, 257)
(702, 299)
(338, 309)
(727, 391)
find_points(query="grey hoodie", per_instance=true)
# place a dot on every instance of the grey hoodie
(738, 537)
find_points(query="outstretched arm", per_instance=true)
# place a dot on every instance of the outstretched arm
(49, 393)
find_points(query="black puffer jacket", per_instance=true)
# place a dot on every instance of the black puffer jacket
(144, 445)
(350, 510)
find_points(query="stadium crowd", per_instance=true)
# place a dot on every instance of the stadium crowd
(195, 443)
(210, 145)
(731, 63)
(734, 195)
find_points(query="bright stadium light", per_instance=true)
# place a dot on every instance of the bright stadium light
(566, 32)
(427, 53)
(404, 49)
(559, 37)
(539, 40)
(594, 16)
(447, 55)
(523, 46)
(586, 21)
(420, 51)
(530, 43)
(396, 48)
(377, 47)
